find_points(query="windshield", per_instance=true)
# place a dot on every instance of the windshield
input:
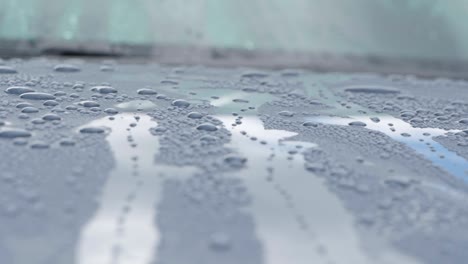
(415, 29)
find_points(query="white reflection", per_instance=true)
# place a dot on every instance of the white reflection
(331, 227)
(123, 230)
(435, 152)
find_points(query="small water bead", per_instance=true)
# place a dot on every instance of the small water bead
(51, 117)
(67, 142)
(60, 93)
(39, 145)
(195, 115)
(78, 86)
(254, 75)
(169, 82)
(89, 104)
(106, 68)
(29, 110)
(209, 139)
(235, 161)
(161, 97)
(104, 89)
(207, 127)
(66, 68)
(23, 105)
(20, 141)
(286, 113)
(14, 133)
(375, 119)
(7, 70)
(57, 110)
(180, 103)
(357, 123)
(71, 107)
(92, 130)
(310, 124)
(375, 90)
(18, 90)
(405, 135)
(160, 129)
(37, 96)
(146, 91)
(38, 121)
(240, 101)
(250, 89)
(220, 241)
(111, 111)
(51, 103)
(23, 116)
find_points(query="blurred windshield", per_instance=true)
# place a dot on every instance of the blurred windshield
(422, 29)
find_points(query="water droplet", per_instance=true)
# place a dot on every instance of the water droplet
(23, 105)
(254, 75)
(169, 82)
(18, 90)
(286, 113)
(7, 70)
(240, 101)
(371, 89)
(357, 123)
(104, 89)
(405, 135)
(29, 110)
(220, 241)
(207, 127)
(235, 161)
(66, 68)
(375, 119)
(51, 117)
(106, 68)
(14, 133)
(146, 91)
(111, 111)
(180, 103)
(51, 103)
(209, 139)
(67, 142)
(39, 145)
(92, 130)
(20, 142)
(37, 121)
(37, 96)
(195, 115)
(89, 104)
(310, 124)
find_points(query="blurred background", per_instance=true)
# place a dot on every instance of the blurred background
(420, 29)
